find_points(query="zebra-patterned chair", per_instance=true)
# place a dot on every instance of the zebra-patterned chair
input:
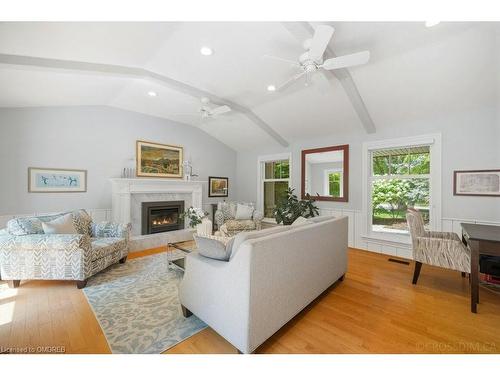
(27, 253)
(440, 249)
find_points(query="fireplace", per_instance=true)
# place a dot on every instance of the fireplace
(162, 216)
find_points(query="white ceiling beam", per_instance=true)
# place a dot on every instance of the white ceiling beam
(120, 70)
(303, 31)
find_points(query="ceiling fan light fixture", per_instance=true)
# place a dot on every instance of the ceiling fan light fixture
(206, 51)
(431, 23)
(271, 88)
(152, 94)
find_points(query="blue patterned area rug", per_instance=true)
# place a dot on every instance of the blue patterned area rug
(137, 305)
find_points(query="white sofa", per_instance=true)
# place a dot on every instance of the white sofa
(267, 280)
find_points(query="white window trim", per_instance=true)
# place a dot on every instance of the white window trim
(326, 181)
(260, 177)
(432, 140)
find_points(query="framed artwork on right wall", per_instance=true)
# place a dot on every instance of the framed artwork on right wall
(485, 183)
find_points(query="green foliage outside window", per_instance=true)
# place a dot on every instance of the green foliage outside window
(392, 196)
(334, 184)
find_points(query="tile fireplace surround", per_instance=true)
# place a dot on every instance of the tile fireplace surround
(129, 193)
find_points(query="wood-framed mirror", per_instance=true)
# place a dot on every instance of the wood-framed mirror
(325, 173)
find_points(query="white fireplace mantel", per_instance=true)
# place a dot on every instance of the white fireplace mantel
(123, 188)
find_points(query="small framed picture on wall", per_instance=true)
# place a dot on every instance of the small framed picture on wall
(485, 183)
(55, 180)
(218, 187)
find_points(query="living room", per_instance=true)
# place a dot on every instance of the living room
(208, 187)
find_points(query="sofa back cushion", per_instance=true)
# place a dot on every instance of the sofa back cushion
(23, 226)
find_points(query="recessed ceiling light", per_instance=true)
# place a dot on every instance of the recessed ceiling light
(271, 88)
(206, 51)
(152, 93)
(431, 23)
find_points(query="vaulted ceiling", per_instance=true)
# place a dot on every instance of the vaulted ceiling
(414, 73)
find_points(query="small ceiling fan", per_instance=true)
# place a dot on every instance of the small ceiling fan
(207, 112)
(312, 60)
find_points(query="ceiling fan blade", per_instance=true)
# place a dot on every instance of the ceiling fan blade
(287, 83)
(220, 110)
(320, 40)
(281, 59)
(346, 61)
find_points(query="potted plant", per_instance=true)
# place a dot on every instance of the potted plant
(195, 216)
(290, 208)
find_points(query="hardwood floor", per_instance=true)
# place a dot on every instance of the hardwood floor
(375, 309)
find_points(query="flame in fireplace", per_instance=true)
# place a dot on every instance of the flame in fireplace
(163, 221)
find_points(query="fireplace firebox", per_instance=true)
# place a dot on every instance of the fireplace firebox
(162, 216)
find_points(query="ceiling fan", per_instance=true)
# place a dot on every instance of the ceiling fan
(312, 61)
(207, 111)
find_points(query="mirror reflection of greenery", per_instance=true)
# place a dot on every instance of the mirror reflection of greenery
(334, 184)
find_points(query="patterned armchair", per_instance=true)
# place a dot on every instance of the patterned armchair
(26, 253)
(229, 226)
(441, 249)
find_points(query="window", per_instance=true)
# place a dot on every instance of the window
(334, 185)
(399, 178)
(274, 182)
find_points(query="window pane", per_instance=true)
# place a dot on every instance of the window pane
(400, 164)
(269, 170)
(274, 191)
(277, 169)
(391, 198)
(420, 163)
(334, 184)
(380, 165)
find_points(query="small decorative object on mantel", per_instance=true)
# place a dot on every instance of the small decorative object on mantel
(188, 170)
(196, 218)
(158, 160)
(218, 187)
(128, 173)
(485, 183)
(55, 180)
(290, 208)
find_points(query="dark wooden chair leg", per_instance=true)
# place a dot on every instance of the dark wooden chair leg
(80, 284)
(185, 312)
(14, 283)
(464, 274)
(123, 260)
(416, 273)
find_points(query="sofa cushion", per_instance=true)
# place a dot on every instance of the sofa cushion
(244, 236)
(22, 226)
(214, 247)
(244, 212)
(104, 246)
(61, 225)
